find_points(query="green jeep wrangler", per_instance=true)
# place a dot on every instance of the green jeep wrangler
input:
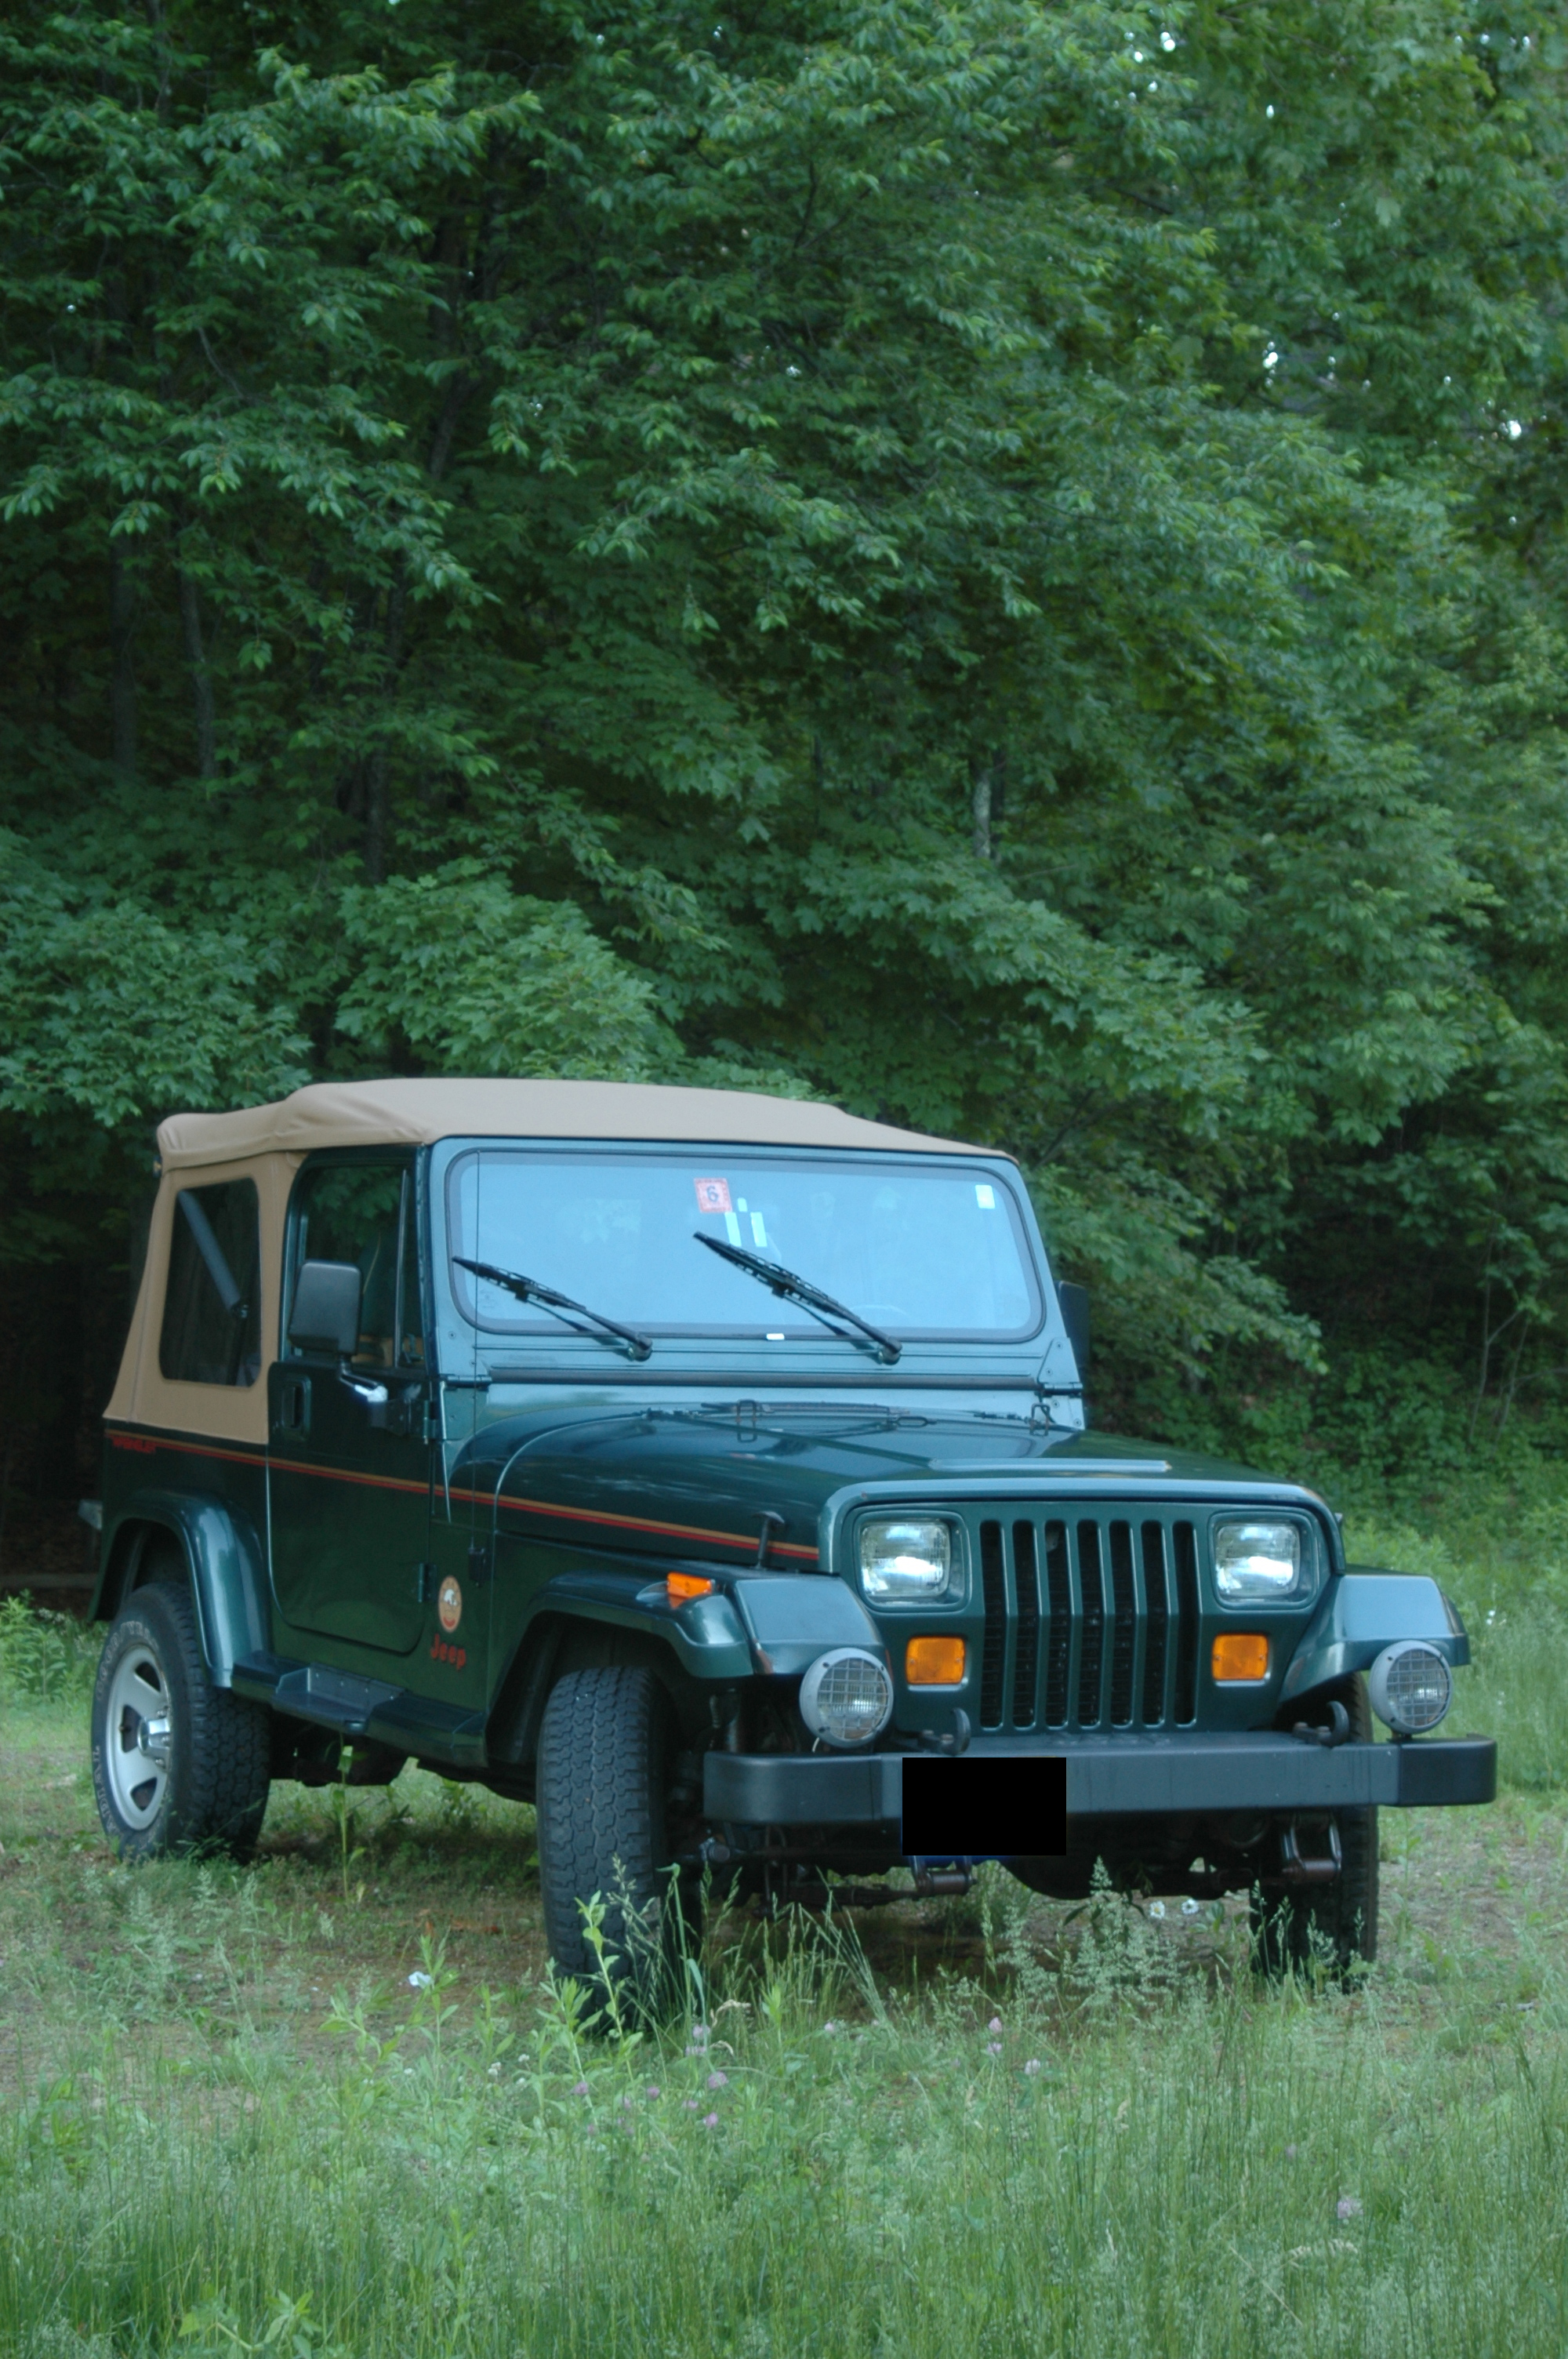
(711, 1471)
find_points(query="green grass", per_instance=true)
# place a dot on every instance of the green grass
(230, 2120)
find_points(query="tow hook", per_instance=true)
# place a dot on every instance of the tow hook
(1337, 1733)
(957, 1740)
(1296, 1867)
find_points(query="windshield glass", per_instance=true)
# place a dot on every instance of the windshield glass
(924, 1251)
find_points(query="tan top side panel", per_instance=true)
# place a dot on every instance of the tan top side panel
(402, 1113)
(143, 1394)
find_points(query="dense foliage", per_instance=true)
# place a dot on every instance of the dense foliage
(1000, 562)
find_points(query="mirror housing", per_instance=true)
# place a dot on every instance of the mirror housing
(326, 1313)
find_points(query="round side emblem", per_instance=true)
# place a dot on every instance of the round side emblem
(449, 1604)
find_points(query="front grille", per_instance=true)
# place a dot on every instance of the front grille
(1091, 1622)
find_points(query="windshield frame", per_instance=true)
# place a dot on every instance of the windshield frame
(775, 1318)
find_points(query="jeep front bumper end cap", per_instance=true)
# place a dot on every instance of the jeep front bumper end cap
(1122, 1777)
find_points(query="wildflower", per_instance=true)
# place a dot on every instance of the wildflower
(994, 2025)
(627, 2101)
(653, 2092)
(1033, 2067)
(718, 2080)
(579, 2088)
(418, 1982)
(993, 2048)
(1347, 2208)
(831, 2028)
(590, 2129)
(1157, 1909)
(710, 2121)
(690, 2103)
(1190, 1908)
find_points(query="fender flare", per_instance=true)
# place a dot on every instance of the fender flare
(223, 1558)
(1364, 1611)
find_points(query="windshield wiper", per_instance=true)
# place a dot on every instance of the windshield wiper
(528, 1289)
(790, 1288)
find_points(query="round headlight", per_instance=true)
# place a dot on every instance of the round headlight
(906, 1557)
(1410, 1686)
(1256, 1559)
(846, 1697)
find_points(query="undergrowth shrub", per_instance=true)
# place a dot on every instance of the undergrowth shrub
(44, 1657)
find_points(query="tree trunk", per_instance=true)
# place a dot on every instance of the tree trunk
(200, 679)
(123, 677)
(981, 808)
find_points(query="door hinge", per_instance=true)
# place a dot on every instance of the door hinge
(425, 1583)
(430, 1419)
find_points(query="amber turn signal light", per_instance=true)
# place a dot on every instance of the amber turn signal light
(679, 1586)
(1240, 1654)
(933, 1662)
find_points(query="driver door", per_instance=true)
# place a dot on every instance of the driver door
(350, 1461)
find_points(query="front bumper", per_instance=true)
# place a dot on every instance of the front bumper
(1119, 1777)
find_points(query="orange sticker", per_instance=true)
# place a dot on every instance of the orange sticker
(713, 1196)
(449, 1603)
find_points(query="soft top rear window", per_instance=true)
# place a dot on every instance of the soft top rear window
(926, 1251)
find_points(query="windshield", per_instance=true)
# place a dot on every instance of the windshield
(926, 1252)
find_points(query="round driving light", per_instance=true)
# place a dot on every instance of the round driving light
(846, 1697)
(1412, 1687)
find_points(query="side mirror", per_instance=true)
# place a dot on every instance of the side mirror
(1075, 1303)
(325, 1314)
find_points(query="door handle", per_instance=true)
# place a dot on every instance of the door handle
(294, 1406)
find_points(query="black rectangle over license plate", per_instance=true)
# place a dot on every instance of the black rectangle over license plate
(997, 1808)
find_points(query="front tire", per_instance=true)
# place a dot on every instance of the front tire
(178, 1765)
(1331, 1926)
(606, 1750)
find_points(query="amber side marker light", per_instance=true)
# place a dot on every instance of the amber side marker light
(682, 1585)
(1239, 1655)
(933, 1662)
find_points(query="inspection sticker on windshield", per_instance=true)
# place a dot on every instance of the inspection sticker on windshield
(713, 1196)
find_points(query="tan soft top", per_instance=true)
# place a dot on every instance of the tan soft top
(417, 1113)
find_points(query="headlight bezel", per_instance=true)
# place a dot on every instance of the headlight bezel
(876, 1587)
(1245, 1596)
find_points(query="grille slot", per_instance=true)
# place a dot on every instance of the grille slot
(994, 1654)
(1088, 1624)
(1124, 1637)
(1093, 1624)
(1059, 1635)
(1185, 1705)
(1156, 1624)
(1026, 1660)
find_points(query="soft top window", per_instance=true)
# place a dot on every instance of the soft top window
(925, 1251)
(212, 1307)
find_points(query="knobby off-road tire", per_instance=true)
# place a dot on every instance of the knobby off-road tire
(606, 1747)
(178, 1765)
(1331, 1926)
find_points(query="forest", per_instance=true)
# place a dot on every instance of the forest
(998, 563)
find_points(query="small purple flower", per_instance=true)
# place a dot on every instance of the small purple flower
(718, 2080)
(579, 2089)
(710, 2121)
(1347, 2208)
(1033, 2067)
(627, 2101)
(994, 2025)
(653, 2092)
(590, 2129)
(831, 2028)
(993, 2048)
(690, 2103)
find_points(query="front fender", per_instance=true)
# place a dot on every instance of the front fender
(224, 1556)
(769, 1624)
(1363, 1611)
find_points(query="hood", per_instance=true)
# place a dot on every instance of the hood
(707, 1482)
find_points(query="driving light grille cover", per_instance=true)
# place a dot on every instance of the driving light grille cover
(1411, 1687)
(846, 1697)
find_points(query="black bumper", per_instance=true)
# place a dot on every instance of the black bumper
(1117, 1777)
